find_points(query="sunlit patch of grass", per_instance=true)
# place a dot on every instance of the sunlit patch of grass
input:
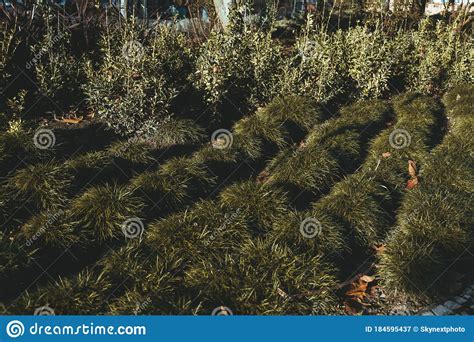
(101, 210)
(263, 277)
(44, 185)
(178, 180)
(259, 204)
(132, 151)
(311, 168)
(178, 132)
(459, 100)
(355, 202)
(293, 231)
(82, 294)
(89, 160)
(298, 109)
(48, 228)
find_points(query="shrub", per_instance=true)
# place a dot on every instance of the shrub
(59, 74)
(133, 86)
(434, 222)
(237, 68)
(318, 66)
(440, 57)
(9, 42)
(371, 60)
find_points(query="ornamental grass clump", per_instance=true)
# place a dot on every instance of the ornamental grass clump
(310, 232)
(49, 228)
(258, 204)
(355, 203)
(83, 294)
(178, 181)
(414, 133)
(100, 212)
(318, 160)
(263, 277)
(434, 223)
(41, 186)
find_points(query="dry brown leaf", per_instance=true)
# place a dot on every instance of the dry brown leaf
(411, 183)
(263, 176)
(367, 279)
(71, 121)
(412, 171)
(379, 249)
(357, 293)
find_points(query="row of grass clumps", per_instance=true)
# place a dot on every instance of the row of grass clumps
(200, 244)
(434, 225)
(217, 252)
(365, 202)
(226, 251)
(95, 217)
(231, 155)
(332, 149)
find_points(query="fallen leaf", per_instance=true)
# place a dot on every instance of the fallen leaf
(412, 168)
(356, 293)
(367, 279)
(263, 176)
(379, 249)
(71, 121)
(411, 183)
(302, 145)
